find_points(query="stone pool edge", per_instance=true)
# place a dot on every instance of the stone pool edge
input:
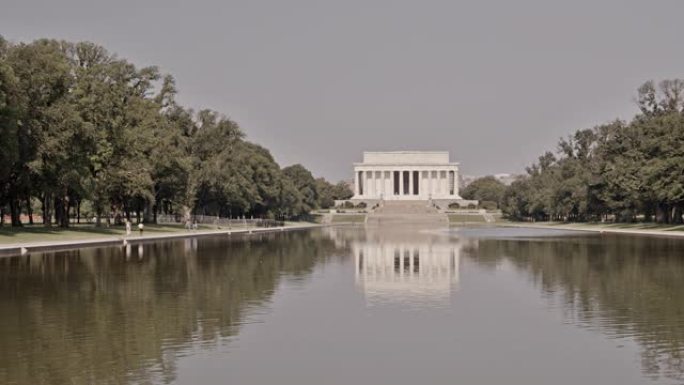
(603, 230)
(12, 250)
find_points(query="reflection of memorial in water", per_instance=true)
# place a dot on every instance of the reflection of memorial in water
(407, 268)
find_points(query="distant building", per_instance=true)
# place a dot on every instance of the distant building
(406, 175)
(504, 178)
(507, 179)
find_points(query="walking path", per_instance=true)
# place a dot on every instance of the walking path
(674, 231)
(23, 248)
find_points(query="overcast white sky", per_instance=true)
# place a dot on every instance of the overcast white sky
(318, 82)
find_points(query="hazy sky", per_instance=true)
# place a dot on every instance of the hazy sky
(318, 82)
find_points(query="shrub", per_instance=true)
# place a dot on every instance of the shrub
(488, 205)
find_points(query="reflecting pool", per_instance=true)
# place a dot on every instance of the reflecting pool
(348, 305)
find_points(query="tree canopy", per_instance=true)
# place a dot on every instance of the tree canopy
(78, 125)
(485, 189)
(622, 171)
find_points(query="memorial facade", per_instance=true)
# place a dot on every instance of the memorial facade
(406, 175)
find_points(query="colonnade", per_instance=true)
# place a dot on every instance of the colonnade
(406, 183)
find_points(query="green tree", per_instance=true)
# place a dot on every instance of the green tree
(9, 110)
(487, 188)
(304, 182)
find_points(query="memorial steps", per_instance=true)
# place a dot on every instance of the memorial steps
(414, 213)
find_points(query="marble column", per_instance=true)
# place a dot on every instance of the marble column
(410, 182)
(388, 184)
(401, 182)
(369, 183)
(359, 183)
(380, 183)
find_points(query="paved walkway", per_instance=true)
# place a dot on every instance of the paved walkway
(23, 248)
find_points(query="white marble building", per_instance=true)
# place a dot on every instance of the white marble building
(406, 175)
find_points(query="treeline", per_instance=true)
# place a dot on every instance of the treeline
(82, 127)
(621, 171)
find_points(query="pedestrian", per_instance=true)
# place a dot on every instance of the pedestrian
(141, 227)
(128, 228)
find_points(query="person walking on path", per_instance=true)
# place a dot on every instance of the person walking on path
(128, 228)
(141, 227)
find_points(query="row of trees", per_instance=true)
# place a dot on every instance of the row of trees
(79, 125)
(622, 171)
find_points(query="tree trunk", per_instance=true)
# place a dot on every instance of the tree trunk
(47, 210)
(58, 210)
(662, 215)
(187, 213)
(15, 212)
(42, 208)
(98, 216)
(648, 216)
(147, 211)
(78, 211)
(65, 211)
(2, 216)
(677, 217)
(154, 213)
(29, 209)
(126, 212)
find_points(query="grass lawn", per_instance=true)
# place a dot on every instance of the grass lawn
(350, 218)
(464, 218)
(39, 233)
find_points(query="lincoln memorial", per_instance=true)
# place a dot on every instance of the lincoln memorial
(406, 175)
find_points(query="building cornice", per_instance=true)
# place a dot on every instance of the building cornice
(361, 164)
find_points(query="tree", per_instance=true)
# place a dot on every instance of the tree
(9, 111)
(486, 188)
(616, 171)
(304, 182)
(44, 78)
(328, 193)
